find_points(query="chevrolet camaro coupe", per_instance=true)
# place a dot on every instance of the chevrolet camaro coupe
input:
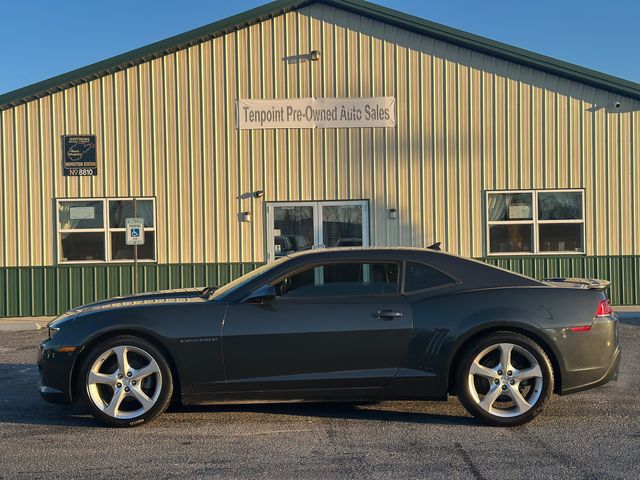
(346, 324)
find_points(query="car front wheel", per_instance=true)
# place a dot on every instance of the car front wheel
(126, 381)
(504, 379)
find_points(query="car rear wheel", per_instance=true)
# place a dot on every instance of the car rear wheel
(126, 381)
(504, 379)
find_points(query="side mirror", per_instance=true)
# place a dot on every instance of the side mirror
(265, 293)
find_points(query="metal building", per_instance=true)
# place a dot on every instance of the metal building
(308, 123)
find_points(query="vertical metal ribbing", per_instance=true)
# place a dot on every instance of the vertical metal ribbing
(165, 156)
(204, 172)
(177, 158)
(324, 163)
(191, 146)
(3, 197)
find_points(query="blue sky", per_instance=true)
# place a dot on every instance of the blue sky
(42, 38)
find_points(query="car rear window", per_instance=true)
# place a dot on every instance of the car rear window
(420, 277)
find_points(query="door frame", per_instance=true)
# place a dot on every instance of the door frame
(317, 220)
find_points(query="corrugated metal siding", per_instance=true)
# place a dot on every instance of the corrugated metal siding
(35, 291)
(467, 122)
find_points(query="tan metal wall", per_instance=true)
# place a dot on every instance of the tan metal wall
(467, 122)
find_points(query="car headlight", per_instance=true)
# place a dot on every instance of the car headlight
(52, 331)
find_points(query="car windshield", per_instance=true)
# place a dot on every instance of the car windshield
(240, 281)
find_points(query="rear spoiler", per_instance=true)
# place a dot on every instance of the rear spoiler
(590, 283)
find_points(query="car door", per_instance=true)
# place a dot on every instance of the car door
(332, 326)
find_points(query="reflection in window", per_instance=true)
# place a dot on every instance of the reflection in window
(342, 225)
(82, 247)
(560, 237)
(80, 215)
(560, 205)
(121, 251)
(293, 229)
(119, 211)
(555, 225)
(339, 279)
(511, 238)
(94, 230)
(510, 206)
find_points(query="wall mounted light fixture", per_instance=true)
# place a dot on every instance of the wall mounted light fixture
(393, 213)
(245, 216)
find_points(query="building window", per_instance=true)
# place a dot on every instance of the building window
(94, 230)
(535, 221)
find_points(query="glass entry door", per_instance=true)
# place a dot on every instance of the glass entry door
(295, 226)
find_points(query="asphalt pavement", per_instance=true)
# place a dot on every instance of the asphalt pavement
(588, 435)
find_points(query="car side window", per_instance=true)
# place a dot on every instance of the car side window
(419, 277)
(340, 279)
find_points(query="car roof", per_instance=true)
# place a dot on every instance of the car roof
(472, 273)
(347, 250)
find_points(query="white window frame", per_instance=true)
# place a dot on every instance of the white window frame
(534, 222)
(124, 229)
(105, 230)
(318, 216)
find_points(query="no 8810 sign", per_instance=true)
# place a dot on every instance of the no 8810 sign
(79, 155)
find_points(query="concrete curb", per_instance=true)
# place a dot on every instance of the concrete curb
(23, 324)
(19, 327)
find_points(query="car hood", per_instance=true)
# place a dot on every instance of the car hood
(182, 295)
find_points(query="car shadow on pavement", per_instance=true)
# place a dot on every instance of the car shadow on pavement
(20, 403)
(418, 412)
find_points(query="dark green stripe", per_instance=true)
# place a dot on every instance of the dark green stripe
(35, 291)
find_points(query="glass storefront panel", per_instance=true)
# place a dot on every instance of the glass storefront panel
(292, 229)
(342, 225)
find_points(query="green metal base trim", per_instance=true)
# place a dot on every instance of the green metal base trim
(52, 290)
(38, 291)
(622, 271)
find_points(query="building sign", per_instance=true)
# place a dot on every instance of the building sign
(135, 231)
(79, 155)
(316, 113)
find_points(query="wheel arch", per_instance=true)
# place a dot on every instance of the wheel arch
(105, 335)
(537, 337)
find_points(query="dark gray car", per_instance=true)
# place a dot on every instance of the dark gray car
(351, 324)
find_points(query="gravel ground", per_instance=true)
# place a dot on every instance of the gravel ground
(593, 434)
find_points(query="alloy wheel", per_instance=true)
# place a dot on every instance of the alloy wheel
(505, 380)
(124, 382)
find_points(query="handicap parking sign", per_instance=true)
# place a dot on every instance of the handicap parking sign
(135, 231)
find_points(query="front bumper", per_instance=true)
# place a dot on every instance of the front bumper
(55, 370)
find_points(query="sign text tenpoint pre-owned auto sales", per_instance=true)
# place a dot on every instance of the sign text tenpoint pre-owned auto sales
(316, 113)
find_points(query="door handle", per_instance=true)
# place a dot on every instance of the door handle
(388, 314)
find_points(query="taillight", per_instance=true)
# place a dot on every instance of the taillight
(582, 328)
(604, 309)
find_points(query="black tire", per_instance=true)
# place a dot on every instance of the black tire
(162, 393)
(541, 393)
